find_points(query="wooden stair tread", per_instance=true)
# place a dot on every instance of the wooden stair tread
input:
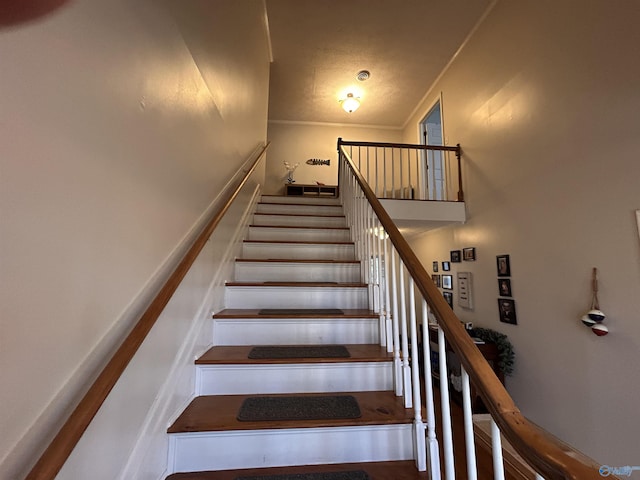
(301, 242)
(296, 260)
(238, 355)
(253, 313)
(209, 413)
(398, 470)
(301, 215)
(299, 227)
(296, 284)
(333, 205)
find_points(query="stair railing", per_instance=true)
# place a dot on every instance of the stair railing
(58, 451)
(404, 171)
(399, 274)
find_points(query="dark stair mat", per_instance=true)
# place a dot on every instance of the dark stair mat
(351, 475)
(317, 407)
(278, 282)
(300, 311)
(302, 351)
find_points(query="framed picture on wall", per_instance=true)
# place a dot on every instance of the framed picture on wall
(445, 266)
(507, 309)
(447, 282)
(504, 287)
(469, 254)
(456, 256)
(435, 267)
(448, 296)
(437, 280)
(503, 265)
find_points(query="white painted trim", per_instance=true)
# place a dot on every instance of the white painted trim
(279, 447)
(229, 379)
(158, 415)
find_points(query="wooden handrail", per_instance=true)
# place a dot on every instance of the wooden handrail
(542, 451)
(442, 148)
(56, 454)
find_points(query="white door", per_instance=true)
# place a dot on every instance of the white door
(431, 128)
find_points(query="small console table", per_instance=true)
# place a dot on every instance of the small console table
(295, 189)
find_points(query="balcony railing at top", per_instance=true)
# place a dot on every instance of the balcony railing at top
(397, 284)
(408, 172)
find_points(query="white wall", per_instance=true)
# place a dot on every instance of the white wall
(544, 100)
(121, 123)
(298, 142)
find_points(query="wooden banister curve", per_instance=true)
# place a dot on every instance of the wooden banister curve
(56, 454)
(548, 455)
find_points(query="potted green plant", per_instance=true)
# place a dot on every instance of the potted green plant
(505, 349)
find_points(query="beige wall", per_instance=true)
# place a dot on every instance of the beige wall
(544, 100)
(296, 143)
(121, 123)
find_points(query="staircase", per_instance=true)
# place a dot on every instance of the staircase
(298, 256)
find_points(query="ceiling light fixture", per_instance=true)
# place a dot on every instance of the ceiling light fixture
(351, 103)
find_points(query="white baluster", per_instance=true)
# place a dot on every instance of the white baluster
(393, 175)
(381, 304)
(389, 329)
(370, 258)
(496, 448)
(401, 177)
(405, 341)
(447, 435)
(472, 472)
(376, 172)
(397, 363)
(384, 171)
(361, 232)
(409, 171)
(433, 449)
(420, 449)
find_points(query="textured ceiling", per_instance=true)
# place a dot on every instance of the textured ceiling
(320, 45)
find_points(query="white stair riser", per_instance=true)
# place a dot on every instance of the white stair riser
(307, 200)
(294, 378)
(296, 297)
(283, 447)
(297, 272)
(298, 251)
(299, 209)
(300, 234)
(303, 331)
(299, 220)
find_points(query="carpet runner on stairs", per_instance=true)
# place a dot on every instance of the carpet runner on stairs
(321, 407)
(299, 351)
(300, 311)
(352, 475)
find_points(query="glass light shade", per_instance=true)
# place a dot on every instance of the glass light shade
(350, 104)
